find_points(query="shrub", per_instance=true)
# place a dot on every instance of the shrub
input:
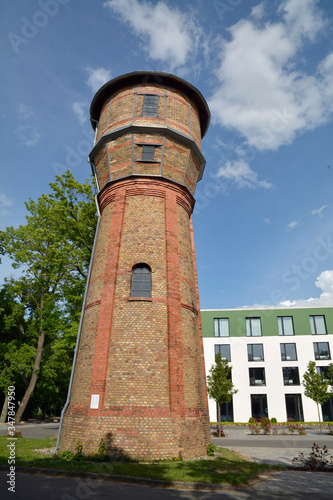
(318, 458)
(255, 427)
(66, 455)
(265, 424)
(252, 420)
(273, 421)
(211, 449)
(330, 429)
(101, 447)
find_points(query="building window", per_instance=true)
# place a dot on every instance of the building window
(221, 327)
(290, 375)
(327, 410)
(253, 327)
(224, 350)
(322, 370)
(288, 352)
(141, 281)
(321, 350)
(150, 105)
(255, 352)
(318, 326)
(259, 405)
(227, 411)
(148, 152)
(257, 376)
(285, 324)
(294, 407)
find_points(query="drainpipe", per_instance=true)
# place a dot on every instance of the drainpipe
(79, 330)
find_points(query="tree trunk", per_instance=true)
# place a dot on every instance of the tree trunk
(219, 418)
(4, 411)
(319, 417)
(33, 379)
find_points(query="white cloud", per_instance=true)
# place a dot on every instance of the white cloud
(97, 77)
(324, 282)
(240, 173)
(24, 111)
(80, 109)
(319, 211)
(168, 34)
(258, 11)
(260, 93)
(4, 202)
(28, 134)
(292, 224)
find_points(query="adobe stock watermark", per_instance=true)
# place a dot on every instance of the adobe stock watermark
(11, 436)
(30, 27)
(265, 137)
(84, 488)
(74, 156)
(223, 8)
(298, 273)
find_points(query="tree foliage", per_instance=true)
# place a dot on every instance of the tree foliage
(315, 386)
(53, 251)
(219, 384)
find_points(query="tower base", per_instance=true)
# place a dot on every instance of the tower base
(138, 437)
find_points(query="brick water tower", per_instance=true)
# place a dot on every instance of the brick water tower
(138, 378)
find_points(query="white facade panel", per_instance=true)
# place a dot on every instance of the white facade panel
(274, 387)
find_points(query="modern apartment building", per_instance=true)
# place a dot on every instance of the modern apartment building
(269, 350)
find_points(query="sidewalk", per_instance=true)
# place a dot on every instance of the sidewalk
(273, 449)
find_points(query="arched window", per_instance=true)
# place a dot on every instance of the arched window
(141, 281)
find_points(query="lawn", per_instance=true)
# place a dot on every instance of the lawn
(226, 467)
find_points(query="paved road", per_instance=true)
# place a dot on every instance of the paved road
(34, 430)
(281, 485)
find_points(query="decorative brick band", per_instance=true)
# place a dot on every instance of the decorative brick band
(92, 304)
(187, 306)
(148, 186)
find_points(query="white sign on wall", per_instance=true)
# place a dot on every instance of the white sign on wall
(94, 401)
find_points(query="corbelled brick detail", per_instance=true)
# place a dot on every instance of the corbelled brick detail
(143, 357)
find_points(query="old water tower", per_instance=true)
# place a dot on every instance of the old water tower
(138, 379)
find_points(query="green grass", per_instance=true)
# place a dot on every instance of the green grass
(225, 468)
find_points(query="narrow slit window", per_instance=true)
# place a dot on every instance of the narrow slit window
(141, 281)
(150, 105)
(148, 152)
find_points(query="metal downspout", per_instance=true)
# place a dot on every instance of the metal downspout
(80, 327)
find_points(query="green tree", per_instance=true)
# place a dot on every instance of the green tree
(330, 377)
(54, 249)
(315, 386)
(219, 385)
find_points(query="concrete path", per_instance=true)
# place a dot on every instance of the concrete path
(270, 449)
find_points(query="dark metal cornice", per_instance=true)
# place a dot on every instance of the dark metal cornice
(162, 78)
(150, 129)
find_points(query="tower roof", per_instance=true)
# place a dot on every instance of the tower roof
(150, 77)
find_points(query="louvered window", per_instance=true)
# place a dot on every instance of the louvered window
(141, 281)
(150, 105)
(148, 152)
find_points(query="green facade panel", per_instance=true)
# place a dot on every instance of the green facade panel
(269, 321)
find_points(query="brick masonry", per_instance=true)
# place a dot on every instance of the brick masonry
(143, 357)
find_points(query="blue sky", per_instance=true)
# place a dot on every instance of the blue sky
(263, 216)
